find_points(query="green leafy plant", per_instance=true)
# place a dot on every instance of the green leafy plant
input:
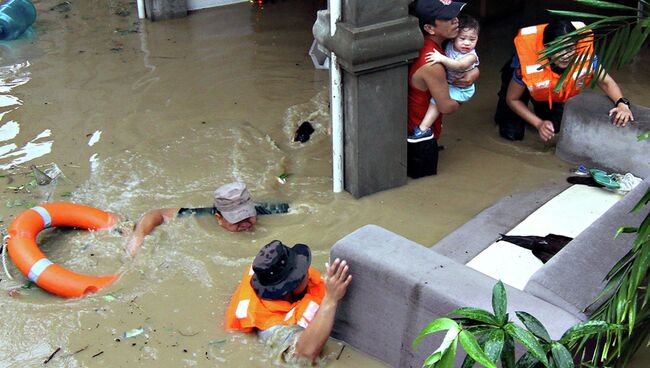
(617, 38)
(489, 338)
(625, 297)
(624, 300)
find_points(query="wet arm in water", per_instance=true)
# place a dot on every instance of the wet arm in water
(313, 339)
(147, 223)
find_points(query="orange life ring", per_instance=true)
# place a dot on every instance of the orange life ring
(29, 259)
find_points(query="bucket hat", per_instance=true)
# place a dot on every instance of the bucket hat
(279, 269)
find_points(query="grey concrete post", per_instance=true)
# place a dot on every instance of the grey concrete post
(373, 43)
(165, 9)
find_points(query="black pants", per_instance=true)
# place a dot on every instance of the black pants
(511, 125)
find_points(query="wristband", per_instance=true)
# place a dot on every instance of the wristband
(622, 100)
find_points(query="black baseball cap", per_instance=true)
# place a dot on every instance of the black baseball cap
(430, 10)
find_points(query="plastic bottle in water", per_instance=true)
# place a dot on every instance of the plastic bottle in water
(15, 17)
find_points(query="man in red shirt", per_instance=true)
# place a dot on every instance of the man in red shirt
(438, 22)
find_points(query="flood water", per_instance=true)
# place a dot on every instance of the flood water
(141, 115)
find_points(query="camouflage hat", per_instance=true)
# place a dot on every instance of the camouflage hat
(234, 202)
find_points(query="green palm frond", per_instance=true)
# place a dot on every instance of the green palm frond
(617, 38)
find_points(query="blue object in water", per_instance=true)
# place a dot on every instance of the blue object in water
(15, 17)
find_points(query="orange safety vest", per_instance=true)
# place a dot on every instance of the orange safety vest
(247, 311)
(541, 82)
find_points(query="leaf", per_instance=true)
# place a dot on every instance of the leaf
(585, 329)
(435, 326)
(644, 201)
(643, 136)
(468, 362)
(449, 356)
(534, 325)
(508, 353)
(625, 230)
(472, 348)
(527, 361)
(561, 356)
(432, 359)
(284, 175)
(500, 302)
(605, 5)
(494, 344)
(528, 340)
(574, 14)
(476, 314)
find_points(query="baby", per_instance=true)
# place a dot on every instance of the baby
(461, 57)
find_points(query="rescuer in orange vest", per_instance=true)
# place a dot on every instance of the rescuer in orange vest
(527, 80)
(287, 302)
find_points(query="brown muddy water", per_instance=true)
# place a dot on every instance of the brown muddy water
(140, 115)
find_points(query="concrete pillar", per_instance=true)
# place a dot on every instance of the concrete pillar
(374, 43)
(165, 9)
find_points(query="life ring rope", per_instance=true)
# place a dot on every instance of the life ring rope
(5, 237)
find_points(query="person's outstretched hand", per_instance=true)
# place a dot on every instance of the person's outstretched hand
(336, 280)
(621, 115)
(545, 130)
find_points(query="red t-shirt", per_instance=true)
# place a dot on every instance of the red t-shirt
(418, 102)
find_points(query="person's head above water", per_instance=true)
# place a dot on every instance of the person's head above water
(280, 272)
(552, 31)
(438, 17)
(235, 207)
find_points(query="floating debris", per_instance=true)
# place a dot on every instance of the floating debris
(98, 354)
(109, 297)
(41, 178)
(125, 31)
(14, 293)
(340, 352)
(304, 132)
(52, 355)
(133, 333)
(188, 334)
(122, 12)
(63, 7)
(282, 178)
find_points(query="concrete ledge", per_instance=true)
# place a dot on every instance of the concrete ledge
(588, 136)
(400, 286)
(466, 242)
(574, 277)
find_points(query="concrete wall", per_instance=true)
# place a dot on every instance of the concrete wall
(588, 137)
